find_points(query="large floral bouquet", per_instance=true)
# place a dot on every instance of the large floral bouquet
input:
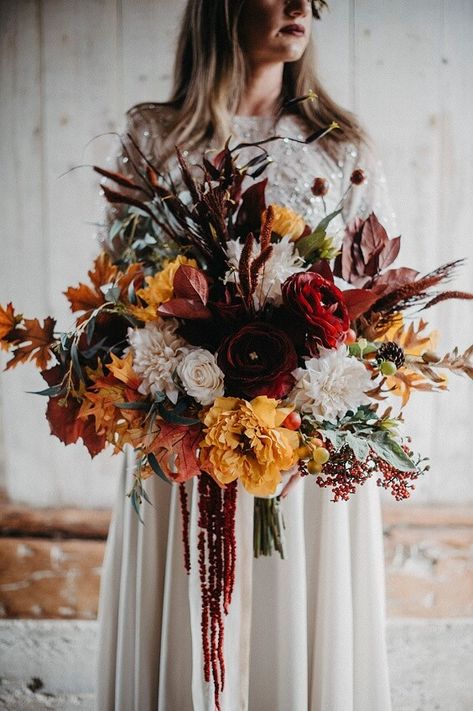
(225, 339)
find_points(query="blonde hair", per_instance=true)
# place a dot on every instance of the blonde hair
(210, 74)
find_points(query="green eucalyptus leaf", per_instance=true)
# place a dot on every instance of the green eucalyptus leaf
(324, 223)
(111, 292)
(132, 405)
(392, 452)
(93, 350)
(174, 419)
(138, 211)
(75, 361)
(359, 446)
(136, 505)
(145, 496)
(337, 438)
(115, 228)
(90, 328)
(53, 391)
(154, 464)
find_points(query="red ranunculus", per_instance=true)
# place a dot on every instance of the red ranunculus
(257, 360)
(318, 307)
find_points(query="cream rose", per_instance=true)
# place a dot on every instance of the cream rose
(201, 377)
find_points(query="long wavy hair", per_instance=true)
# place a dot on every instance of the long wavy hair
(210, 74)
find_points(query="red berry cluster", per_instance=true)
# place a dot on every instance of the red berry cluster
(344, 472)
(217, 555)
(399, 482)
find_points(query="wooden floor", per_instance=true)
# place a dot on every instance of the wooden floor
(50, 561)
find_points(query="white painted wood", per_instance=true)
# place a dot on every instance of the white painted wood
(408, 92)
(151, 25)
(68, 73)
(25, 257)
(334, 46)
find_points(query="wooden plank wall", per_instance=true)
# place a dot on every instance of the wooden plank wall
(69, 70)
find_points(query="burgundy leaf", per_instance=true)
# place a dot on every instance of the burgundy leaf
(253, 203)
(191, 283)
(322, 267)
(119, 178)
(394, 278)
(373, 239)
(358, 301)
(184, 308)
(114, 197)
(389, 253)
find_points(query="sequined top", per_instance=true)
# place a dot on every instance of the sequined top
(293, 165)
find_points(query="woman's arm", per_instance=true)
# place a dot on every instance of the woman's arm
(128, 162)
(372, 195)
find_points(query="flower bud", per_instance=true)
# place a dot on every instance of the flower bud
(430, 357)
(357, 177)
(320, 187)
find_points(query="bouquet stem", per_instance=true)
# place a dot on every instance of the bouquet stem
(268, 531)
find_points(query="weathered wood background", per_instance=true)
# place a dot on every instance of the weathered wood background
(69, 70)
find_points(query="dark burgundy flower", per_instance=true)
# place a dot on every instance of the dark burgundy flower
(318, 307)
(257, 360)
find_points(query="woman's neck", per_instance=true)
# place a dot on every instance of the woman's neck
(262, 91)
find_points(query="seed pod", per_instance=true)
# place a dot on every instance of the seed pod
(320, 187)
(357, 177)
(390, 351)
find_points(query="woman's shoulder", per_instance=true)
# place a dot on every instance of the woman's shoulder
(150, 117)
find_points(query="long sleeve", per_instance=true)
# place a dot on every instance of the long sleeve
(373, 194)
(128, 161)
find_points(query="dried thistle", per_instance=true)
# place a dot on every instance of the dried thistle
(257, 266)
(414, 292)
(455, 362)
(266, 228)
(244, 271)
(447, 295)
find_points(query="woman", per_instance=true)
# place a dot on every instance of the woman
(305, 633)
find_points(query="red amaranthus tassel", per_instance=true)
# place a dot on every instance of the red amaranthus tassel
(217, 550)
(185, 526)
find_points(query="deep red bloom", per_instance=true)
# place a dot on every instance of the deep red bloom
(318, 307)
(257, 360)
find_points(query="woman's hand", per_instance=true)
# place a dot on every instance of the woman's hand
(294, 476)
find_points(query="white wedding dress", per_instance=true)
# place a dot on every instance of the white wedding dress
(303, 634)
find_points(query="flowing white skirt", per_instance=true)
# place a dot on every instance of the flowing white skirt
(303, 634)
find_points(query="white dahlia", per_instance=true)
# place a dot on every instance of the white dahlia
(283, 262)
(329, 386)
(201, 377)
(157, 351)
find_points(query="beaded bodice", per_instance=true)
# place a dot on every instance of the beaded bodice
(293, 167)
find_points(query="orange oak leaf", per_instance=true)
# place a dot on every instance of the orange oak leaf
(175, 448)
(84, 297)
(34, 343)
(122, 369)
(8, 320)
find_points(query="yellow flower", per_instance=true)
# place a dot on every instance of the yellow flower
(159, 287)
(245, 440)
(287, 223)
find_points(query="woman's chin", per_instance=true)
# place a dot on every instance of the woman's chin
(291, 50)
